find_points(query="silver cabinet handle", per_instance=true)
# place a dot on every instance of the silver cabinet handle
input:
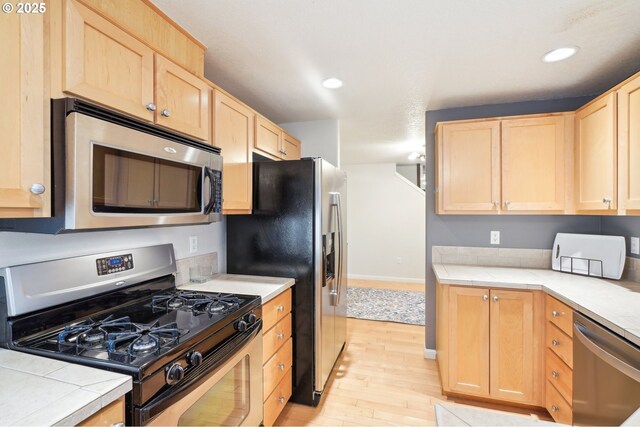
(485, 297)
(507, 202)
(281, 366)
(281, 399)
(554, 408)
(165, 113)
(495, 298)
(555, 313)
(284, 152)
(37, 188)
(555, 343)
(120, 424)
(555, 374)
(606, 199)
(496, 203)
(280, 308)
(151, 106)
(280, 336)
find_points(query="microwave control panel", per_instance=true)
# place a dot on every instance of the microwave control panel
(114, 264)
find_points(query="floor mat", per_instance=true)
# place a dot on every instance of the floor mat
(385, 304)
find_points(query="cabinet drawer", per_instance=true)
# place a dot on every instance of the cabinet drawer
(560, 343)
(275, 310)
(559, 409)
(275, 403)
(559, 374)
(275, 337)
(560, 314)
(276, 368)
(110, 415)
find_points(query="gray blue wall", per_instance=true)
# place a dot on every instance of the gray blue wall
(626, 226)
(515, 231)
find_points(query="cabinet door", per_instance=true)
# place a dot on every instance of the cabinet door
(596, 156)
(182, 100)
(106, 65)
(512, 346)
(469, 340)
(629, 145)
(290, 147)
(23, 141)
(233, 133)
(533, 164)
(468, 167)
(268, 137)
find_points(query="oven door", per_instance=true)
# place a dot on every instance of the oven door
(121, 177)
(227, 395)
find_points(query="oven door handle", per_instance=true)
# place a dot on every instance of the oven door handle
(212, 186)
(197, 376)
(603, 354)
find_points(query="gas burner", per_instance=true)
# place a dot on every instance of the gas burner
(216, 304)
(198, 303)
(90, 333)
(174, 300)
(146, 339)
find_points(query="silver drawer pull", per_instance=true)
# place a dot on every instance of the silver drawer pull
(280, 308)
(165, 113)
(555, 374)
(120, 424)
(554, 408)
(281, 399)
(37, 188)
(280, 336)
(151, 106)
(495, 298)
(555, 343)
(555, 313)
(281, 366)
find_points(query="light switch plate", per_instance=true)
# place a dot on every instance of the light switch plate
(495, 237)
(193, 244)
(635, 246)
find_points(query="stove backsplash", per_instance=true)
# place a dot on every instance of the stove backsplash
(182, 266)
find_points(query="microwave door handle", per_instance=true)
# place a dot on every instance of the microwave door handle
(209, 173)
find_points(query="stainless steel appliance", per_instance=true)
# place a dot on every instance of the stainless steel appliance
(192, 356)
(111, 171)
(298, 229)
(606, 375)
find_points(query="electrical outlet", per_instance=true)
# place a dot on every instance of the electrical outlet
(399, 260)
(495, 237)
(635, 246)
(193, 244)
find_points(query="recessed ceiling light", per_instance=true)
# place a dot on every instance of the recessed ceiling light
(332, 83)
(560, 54)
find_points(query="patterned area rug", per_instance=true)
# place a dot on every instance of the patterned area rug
(385, 304)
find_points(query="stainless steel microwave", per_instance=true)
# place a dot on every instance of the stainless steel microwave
(110, 171)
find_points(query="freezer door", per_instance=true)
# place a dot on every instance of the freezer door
(331, 278)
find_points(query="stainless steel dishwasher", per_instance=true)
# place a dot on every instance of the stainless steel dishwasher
(606, 375)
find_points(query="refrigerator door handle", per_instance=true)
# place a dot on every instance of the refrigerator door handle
(324, 265)
(336, 292)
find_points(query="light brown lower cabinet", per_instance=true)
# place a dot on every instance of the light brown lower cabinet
(277, 355)
(559, 360)
(110, 415)
(492, 343)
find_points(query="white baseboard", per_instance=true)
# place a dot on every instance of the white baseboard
(429, 353)
(386, 278)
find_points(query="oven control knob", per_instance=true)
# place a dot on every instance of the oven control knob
(175, 373)
(241, 326)
(251, 318)
(194, 358)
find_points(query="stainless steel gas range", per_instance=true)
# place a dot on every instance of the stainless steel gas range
(194, 358)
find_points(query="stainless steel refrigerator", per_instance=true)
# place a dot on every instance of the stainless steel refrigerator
(299, 229)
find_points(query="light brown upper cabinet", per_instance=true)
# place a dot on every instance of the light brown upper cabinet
(105, 64)
(24, 163)
(596, 156)
(629, 145)
(533, 163)
(233, 128)
(268, 138)
(182, 99)
(468, 175)
(290, 147)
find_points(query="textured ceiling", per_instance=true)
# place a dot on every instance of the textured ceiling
(399, 58)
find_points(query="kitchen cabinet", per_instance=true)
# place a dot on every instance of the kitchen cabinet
(233, 130)
(628, 97)
(492, 343)
(290, 147)
(533, 163)
(468, 159)
(277, 355)
(105, 64)
(25, 164)
(110, 415)
(268, 138)
(596, 156)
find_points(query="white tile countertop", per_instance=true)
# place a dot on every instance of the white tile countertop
(40, 391)
(264, 286)
(614, 304)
